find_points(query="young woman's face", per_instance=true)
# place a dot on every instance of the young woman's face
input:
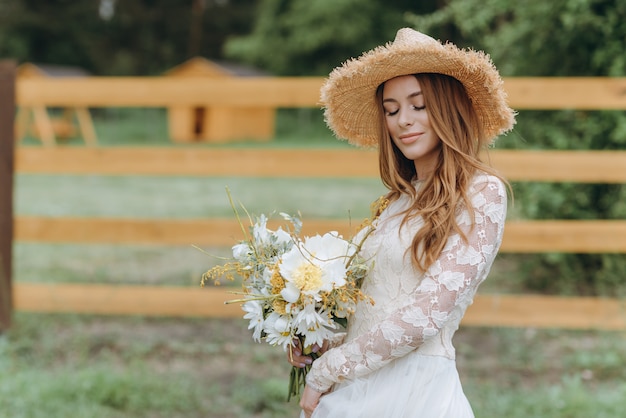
(408, 124)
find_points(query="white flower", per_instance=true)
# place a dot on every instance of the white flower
(278, 330)
(344, 308)
(267, 244)
(314, 326)
(316, 265)
(290, 293)
(260, 233)
(242, 252)
(254, 312)
(282, 237)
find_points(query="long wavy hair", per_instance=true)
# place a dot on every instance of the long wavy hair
(443, 195)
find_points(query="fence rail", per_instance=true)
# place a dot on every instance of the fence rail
(547, 166)
(576, 236)
(487, 310)
(519, 237)
(540, 93)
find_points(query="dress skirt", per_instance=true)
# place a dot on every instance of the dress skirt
(413, 386)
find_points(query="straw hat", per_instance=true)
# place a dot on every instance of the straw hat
(349, 94)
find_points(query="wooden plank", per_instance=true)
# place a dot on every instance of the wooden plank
(519, 237)
(210, 232)
(561, 166)
(199, 162)
(123, 300)
(571, 236)
(552, 93)
(7, 143)
(547, 312)
(557, 166)
(524, 92)
(168, 91)
(487, 310)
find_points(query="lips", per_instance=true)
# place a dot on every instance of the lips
(409, 138)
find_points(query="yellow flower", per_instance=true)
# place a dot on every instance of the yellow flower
(307, 277)
(279, 305)
(276, 281)
(318, 264)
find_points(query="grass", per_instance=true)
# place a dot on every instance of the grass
(301, 128)
(190, 197)
(93, 366)
(99, 366)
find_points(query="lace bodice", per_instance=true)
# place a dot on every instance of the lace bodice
(416, 311)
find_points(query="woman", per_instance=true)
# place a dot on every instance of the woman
(430, 109)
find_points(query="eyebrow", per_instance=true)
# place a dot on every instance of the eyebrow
(410, 96)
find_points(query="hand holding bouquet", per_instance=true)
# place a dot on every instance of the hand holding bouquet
(295, 288)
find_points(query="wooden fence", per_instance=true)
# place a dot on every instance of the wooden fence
(597, 236)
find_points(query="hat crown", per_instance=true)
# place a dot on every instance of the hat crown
(408, 36)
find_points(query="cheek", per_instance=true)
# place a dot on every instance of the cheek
(424, 120)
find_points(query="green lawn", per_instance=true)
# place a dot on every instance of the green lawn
(98, 366)
(92, 366)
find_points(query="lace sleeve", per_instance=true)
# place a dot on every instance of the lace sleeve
(451, 281)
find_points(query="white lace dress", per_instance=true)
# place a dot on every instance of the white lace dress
(397, 359)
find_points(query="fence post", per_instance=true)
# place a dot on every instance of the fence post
(7, 141)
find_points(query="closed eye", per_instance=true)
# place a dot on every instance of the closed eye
(395, 112)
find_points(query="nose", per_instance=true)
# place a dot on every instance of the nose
(405, 118)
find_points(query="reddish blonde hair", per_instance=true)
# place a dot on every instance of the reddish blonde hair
(445, 193)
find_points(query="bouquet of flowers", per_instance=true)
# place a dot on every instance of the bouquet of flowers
(295, 288)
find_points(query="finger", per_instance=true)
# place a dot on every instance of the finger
(295, 358)
(300, 361)
(294, 354)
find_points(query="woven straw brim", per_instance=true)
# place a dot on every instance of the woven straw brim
(349, 94)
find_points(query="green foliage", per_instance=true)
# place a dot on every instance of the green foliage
(556, 38)
(303, 37)
(140, 37)
(538, 38)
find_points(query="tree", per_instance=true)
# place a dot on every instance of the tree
(139, 37)
(303, 37)
(46, 32)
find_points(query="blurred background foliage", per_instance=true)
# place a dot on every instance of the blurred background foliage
(300, 37)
